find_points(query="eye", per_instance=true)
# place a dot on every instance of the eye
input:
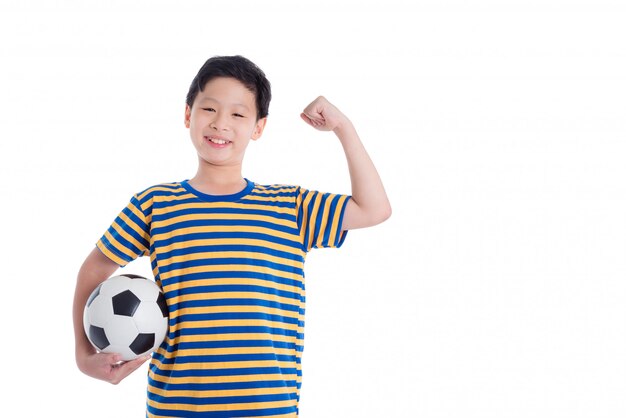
(208, 109)
(237, 115)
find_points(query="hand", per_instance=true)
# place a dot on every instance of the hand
(109, 367)
(323, 115)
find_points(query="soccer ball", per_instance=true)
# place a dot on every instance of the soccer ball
(126, 314)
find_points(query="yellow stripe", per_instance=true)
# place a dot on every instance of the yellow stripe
(285, 199)
(234, 337)
(243, 309)
(273, 190)
(236, 323)
(223, 216)
(228, 351)
(160, 188)
(244, 281)
(229, 228)
(232, 254)
(222, 379)
(312, 220)
(221, 205)
(233, 295)
(240, 281)
(219, 365)
(212, 268)
(173, 198)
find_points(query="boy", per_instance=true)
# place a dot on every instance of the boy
(228, 254)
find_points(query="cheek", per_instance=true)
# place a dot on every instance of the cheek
(195, 132)
(197, 122)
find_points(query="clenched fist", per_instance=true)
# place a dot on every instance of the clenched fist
(323, 115)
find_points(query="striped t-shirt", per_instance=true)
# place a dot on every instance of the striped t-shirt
(231, 268)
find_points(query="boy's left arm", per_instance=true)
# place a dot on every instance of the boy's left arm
(369, 204)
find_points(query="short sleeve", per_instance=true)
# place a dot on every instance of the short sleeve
(320, 216)
(128, 237)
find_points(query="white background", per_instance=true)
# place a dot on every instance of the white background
(497, 288)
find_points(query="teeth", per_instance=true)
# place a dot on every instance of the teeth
(218, 141)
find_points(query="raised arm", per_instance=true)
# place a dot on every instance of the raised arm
(369, 204)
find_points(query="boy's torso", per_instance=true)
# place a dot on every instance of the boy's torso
(231, 268)
(232, 273)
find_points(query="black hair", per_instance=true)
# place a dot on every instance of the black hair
(239, 68)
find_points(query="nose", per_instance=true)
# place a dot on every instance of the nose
(219, 122)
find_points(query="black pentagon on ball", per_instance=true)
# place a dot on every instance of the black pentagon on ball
(142, 343)
(98, 337)
(133, 276)
(162, 305)
(125, 303)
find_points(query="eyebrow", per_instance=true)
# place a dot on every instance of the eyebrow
(210, 99)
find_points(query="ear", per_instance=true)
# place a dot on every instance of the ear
(187, 116)
(258, 129)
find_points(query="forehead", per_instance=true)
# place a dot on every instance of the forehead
(226, 91)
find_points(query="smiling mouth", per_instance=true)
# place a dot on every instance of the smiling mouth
(218, 141)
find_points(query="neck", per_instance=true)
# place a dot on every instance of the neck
(218, 180)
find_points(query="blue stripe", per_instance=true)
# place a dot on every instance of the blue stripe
(225, 385)
(223, 414)
(231, 235)
(195, 345)
(234, 330)
(225, 399)
(244, 371)
(219, 358)
(230, 275)
(331, 215)
(222, 358)
(230, 261)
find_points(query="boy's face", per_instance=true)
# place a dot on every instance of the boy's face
(222, 120)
